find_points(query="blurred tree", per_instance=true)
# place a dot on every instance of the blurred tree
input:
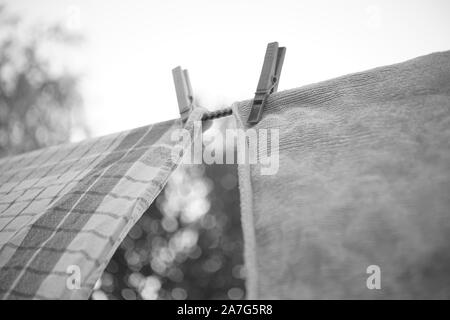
(38, 105)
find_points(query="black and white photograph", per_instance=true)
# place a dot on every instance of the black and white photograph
(238, 151)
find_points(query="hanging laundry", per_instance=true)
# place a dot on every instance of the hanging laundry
(65, 209)
(360, 204)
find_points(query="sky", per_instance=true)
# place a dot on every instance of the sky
(132, 46)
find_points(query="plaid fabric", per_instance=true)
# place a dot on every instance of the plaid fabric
(72, 205)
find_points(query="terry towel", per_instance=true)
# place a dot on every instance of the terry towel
(363, 184)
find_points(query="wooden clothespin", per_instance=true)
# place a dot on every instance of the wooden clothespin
(183, 88)
(268, 81)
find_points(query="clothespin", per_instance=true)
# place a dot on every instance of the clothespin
(183, 88)
(268, 81)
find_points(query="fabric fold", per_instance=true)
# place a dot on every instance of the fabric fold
(65, 209)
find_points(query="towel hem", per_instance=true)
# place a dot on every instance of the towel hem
(246, 200)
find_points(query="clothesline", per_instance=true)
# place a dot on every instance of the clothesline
(363, 173)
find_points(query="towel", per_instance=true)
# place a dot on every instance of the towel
(359, 207)
(65, 209)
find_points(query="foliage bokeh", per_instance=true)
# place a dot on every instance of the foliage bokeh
(39, 106)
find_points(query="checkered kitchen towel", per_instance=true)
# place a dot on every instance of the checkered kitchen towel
(64, 210)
